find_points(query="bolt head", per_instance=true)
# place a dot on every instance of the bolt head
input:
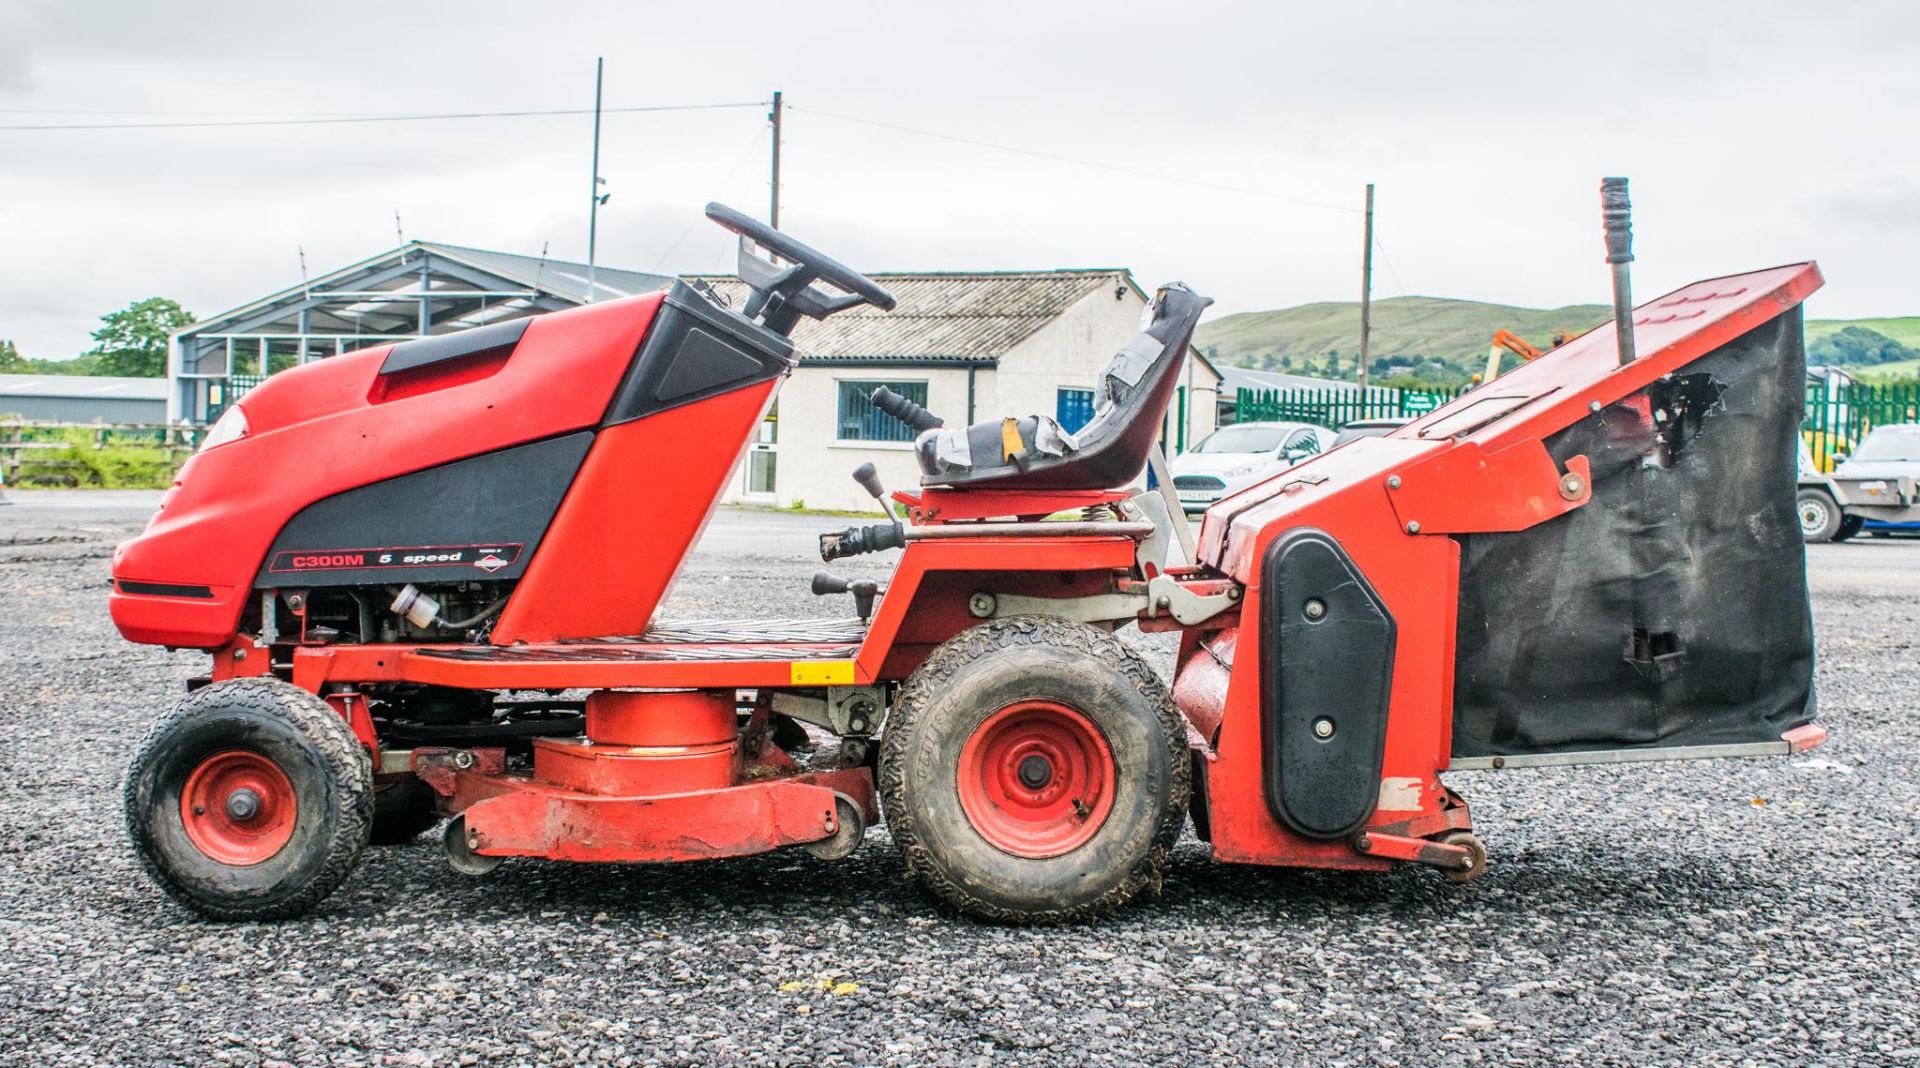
(1315, 608)
(1393, 481)
(243, 805)
(1593, 406)
(1413, 526)
(1323, 728)
(1034, 772)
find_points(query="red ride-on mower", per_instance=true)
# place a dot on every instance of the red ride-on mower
(429, 580)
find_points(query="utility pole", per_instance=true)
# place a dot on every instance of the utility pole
(593, 191)
(1366, 297)
(773, 118)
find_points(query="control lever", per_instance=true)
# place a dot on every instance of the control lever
(869, 539)
(863, 590)
(916, 417)
(854, 541)
(869, 480)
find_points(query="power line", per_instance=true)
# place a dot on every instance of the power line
(345, 119)
(1402, 287)
(1116, 168)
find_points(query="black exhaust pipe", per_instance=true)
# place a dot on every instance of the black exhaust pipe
(1618, 215)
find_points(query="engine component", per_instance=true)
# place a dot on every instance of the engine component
(416, 607)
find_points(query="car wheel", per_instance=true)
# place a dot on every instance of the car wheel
(1820, 516)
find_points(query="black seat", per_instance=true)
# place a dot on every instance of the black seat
(1033, 453)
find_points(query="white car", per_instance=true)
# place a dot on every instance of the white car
(1235, 457)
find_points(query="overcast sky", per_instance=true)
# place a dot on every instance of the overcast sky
(1232, 142)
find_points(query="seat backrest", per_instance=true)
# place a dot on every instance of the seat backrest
(1137, 384)
(1133, 393)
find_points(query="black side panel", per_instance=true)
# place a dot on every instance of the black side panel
(456, 346)
(474, 519)
(1326, 662)
(1672, 609)
(693, 351)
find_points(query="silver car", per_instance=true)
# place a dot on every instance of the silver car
(1234, 457)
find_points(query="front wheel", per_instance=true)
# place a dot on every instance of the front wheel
(249, 800)
(1035, 771)
(1820, 516)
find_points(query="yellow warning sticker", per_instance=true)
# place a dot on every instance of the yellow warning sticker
(822, 673)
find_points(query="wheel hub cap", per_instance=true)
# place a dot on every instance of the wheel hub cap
(238, 808)
(1037, 779)
(243, 805)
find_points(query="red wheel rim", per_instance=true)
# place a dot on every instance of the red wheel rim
(238, 808)
(1037, 779)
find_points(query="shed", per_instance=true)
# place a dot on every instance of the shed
(83, 398)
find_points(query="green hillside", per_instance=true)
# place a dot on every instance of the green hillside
(1905, 330)
(1438, 340)
(1431, 337)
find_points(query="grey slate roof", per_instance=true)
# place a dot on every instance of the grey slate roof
(83, 386)
(960, 318)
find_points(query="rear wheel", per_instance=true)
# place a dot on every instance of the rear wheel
(1035, 771)
(249, 800)
(1820, 516)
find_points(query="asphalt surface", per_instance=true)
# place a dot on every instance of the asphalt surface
(1727, 912)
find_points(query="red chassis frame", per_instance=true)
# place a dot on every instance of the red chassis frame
(659, 795)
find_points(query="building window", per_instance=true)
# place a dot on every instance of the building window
(859, 420)
(1073, 409)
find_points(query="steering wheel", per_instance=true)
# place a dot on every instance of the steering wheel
(782, 294)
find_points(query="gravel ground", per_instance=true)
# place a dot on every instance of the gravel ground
(1729, 912)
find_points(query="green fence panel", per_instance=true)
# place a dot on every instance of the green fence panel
(1335, 408)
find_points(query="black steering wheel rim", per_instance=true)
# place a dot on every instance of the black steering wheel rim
(819, 264)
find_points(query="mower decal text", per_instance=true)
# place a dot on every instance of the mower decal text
(822, 673)
(487, 558)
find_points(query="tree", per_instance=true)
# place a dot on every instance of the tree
(11, 362)
(132, 342)
(1857, 346)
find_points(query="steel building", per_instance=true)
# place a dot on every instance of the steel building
(422, 287)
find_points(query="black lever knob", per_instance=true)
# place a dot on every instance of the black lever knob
(869, 480)
(856, 540)
(916, 417)
(864, 591)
